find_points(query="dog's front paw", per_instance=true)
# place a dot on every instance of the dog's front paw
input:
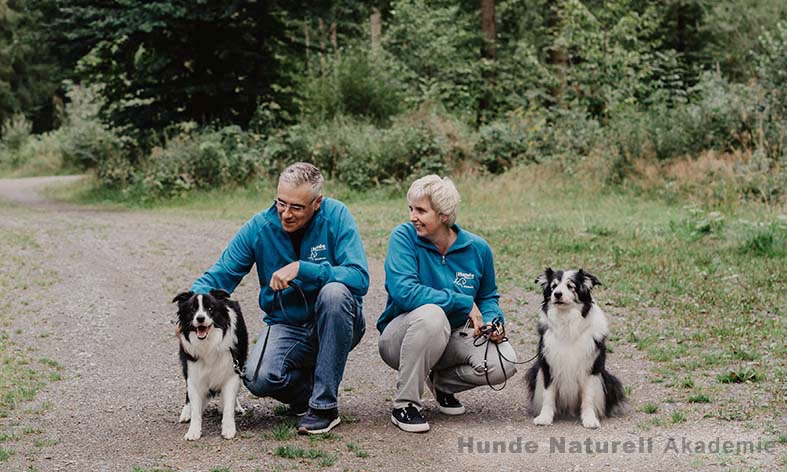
(544, 419)
(239, 408)
(228, 432)
(185, 413)
(590, 421)
(192, 435)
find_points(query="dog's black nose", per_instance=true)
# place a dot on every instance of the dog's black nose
(200, 319)
(557, 295)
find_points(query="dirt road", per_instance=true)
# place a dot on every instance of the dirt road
(106, 319)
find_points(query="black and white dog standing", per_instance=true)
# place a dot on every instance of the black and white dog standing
(569, 376)
(213, 347)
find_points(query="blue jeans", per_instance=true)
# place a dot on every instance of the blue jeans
(305, 364)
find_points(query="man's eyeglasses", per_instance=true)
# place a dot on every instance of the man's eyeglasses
(294, 207)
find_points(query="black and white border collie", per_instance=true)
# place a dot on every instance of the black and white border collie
(569, 376)
(213, 348)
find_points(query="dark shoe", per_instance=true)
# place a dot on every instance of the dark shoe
(409, 419)
(296, 410)
(319, 421)
(449, 405)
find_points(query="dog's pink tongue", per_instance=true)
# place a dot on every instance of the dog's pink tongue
(202, 331)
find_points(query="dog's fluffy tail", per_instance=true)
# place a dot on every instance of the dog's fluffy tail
(614, 395)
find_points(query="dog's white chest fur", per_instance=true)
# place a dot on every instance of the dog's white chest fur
(214, 365)
(570, 343)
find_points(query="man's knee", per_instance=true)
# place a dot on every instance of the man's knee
(267, 384)
(332, 295)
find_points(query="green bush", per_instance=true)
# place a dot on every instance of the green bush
(204, 159)
(436, 54)
(85, 140)
(363, 155)
(354, 83)
(14, 134)
(521, 138)
(772, 73)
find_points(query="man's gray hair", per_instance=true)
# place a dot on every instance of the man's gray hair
(440, 191)
(303, 173)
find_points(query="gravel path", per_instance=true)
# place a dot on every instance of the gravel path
(107, 321)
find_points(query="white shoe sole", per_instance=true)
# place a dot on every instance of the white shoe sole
(410, 428)
(451, 410)
(332, 425)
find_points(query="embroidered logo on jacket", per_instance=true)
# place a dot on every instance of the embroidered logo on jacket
(316, 253)
(463, 279)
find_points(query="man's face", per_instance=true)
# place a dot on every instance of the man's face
(296, 205)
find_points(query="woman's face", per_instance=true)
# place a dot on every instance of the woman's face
(425, 219)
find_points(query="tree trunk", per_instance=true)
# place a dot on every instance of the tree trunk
(488, 56)
(557, 57)
(377, 28)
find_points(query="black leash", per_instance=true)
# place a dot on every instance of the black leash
(276, 297)
(484, 337)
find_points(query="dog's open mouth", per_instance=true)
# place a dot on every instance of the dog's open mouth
(202, 331)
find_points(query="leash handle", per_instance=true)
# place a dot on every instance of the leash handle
(484, 337)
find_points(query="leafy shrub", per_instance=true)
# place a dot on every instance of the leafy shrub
(771, 70)
(533, 136)
(355, 83)
(521, 138)
(436, 53)
(15, 133)
(363, 155)
(85, 140)
(202, 159)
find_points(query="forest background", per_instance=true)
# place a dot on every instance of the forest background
(160, 98)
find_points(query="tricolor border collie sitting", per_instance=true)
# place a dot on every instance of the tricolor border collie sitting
(213, 348)
(569, 375)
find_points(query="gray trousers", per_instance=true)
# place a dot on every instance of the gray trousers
(421, 341)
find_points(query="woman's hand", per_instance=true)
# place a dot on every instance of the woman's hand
(497, 335)
(476, 320)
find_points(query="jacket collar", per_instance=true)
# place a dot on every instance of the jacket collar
(462, 240)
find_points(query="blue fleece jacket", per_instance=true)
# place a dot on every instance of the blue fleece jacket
(416, 274)
(331, 251)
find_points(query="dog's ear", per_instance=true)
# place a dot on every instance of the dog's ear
(588, 280)
(545, 277)
(182, 297)
(219, 294)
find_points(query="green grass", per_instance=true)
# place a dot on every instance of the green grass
(678, 417)
(329, 436)
(20, 376)
(357, 450)
(740, 376)
(693, 289)
(283, 432)
(649, 408)
(292, 452)
(699, 398)
(5, 454)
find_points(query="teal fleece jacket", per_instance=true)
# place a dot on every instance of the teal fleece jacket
(417, 274)
(331, 251)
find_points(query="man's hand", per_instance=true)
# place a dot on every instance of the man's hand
(476, 320)
(281, 278)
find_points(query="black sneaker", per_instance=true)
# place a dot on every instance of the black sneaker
(319, 421)
(449, 405)
(409, 419)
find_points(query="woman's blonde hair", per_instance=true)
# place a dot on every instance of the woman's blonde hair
(440, 191)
